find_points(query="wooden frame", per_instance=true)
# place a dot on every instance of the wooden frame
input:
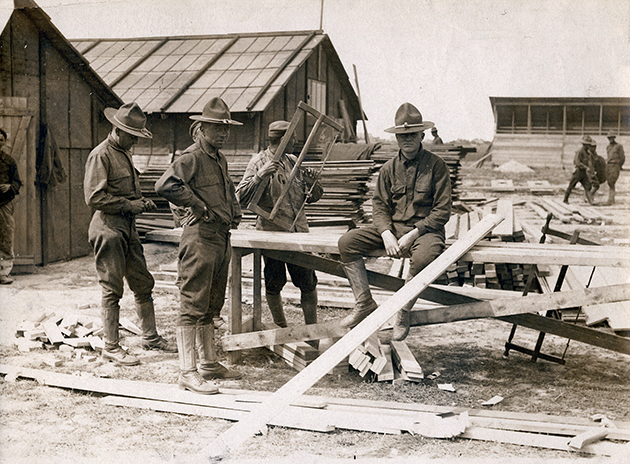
(321, 119)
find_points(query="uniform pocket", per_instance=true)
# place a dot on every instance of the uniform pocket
(397, 191)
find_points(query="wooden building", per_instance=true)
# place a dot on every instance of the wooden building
(51, 106)
(261, 76)
(543, 132)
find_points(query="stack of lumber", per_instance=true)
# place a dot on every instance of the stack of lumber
(394, 362)
(451, 154)
(327, 414)
(568, 213)
(51, 331)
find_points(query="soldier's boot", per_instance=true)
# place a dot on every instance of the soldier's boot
(611, 196)
(189, 377)
(112, 351)
(401, 327)
(567, 193)
(364, 303)
(275, 307)
(309, 308)
(209, 367)
(589, 197)
(150, 338)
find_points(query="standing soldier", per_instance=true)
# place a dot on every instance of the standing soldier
(262, 166)
(199, 182)
(9, 187)
(583, 170)
(112, 189)
(614, 162)
(598, 176)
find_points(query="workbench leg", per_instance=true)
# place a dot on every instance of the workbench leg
(236, 293)
(257, 310)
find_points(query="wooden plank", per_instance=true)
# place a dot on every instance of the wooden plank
(387, 373)
(506, 209)
(407, 360)
(589, 436)
(52, 331)
(229, 440)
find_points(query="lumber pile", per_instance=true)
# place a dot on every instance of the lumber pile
(52, 331)
(569, 213)
(595, 436)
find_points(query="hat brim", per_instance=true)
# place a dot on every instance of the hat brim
(410, 128)
(229, 122)
(110, 114)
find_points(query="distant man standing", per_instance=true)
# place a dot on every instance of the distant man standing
(615, 160)
(437, 140)
(112, 189)
(263, 167)
(583, 170)
(199, 182)
(9, 187)
(410, 206)
(598, 176)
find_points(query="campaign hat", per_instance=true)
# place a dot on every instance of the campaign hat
(408, 119)
(216, 111)
(129, 118)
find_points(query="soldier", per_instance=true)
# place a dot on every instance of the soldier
(598, 176)
(583, 170)
(614, 162)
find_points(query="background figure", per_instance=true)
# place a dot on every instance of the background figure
(437, 140)
(112, 189)
(261, 167)
(198, 181)
(411, 205)
(583, 170)
(9, 187)
(598, 176)
(614, 162)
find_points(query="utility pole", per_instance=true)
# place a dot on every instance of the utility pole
(321, 17)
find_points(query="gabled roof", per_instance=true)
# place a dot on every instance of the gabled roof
(180, 74)
(43, 23)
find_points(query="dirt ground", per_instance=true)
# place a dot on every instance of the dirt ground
(44, 424)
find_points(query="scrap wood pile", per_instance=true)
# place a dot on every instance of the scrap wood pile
(569, 213)
(65, 332)
(597, 435)
(451, 154)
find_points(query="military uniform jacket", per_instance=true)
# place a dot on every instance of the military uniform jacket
(111, 181)
(199, 177)
(9, 175)
(615, 154)
(413, 192)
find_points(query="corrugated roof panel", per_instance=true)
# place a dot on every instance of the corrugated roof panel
(200, 61)
(259, 44)
(219, 45)
(116, 48)
(261, 60)
(225, 61)
(164, 96)
(147, 80)
(242, 44)
(202, 46)
(151, 62)
(243, 61)
(111, 64)
(127, 63)
(98, 50)
(279, 59)
(266, 98)
(246, 78)
(130, 95)
(182, 79)
(187, 46)
(186, 102)
(167, 81)
(240, 105)
(278, 43)
(129, 80)
(130, 49)
(230, 95)
(111, 77)
(206, 80)
(99, 62)
(226, 79)
(147, 46)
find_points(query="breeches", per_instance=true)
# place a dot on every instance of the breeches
(276, 276)
(204, 259)
(357, 243)
(7, 231)
(119, 254)
(612, 174)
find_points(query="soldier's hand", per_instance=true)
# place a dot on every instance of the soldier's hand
(309, 176)
(391, 244)
(407, 240)
(4, 188)
(268, 169)
(195, 214)
(148, 205)
(137, 207)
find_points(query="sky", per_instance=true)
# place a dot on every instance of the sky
(446, 57)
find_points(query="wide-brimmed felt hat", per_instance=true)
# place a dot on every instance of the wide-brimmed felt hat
(408, 119)
(217, 112)
(586, 139)
(593, 143)
(278, 128)
(129, 118)
(611, 134)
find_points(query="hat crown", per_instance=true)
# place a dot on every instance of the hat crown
(132, 116)
(586, 139)
(217, 109)
(407, 114)
(611, 133)
(278, 128)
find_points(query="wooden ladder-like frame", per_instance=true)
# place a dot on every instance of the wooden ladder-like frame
(302, 108)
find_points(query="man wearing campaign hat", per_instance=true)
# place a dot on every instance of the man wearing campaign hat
(263, 168)
(410, 206)
(583, 170)
(198, 181)
(437, 140)
(112, 189)
(615, 159)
